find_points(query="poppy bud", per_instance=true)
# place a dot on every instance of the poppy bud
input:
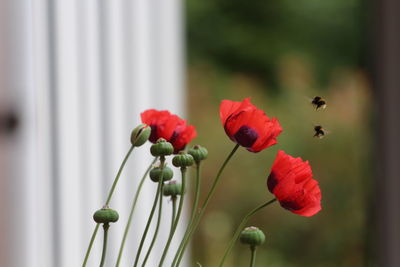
(155, 174)
(198, 153)
(161, 148)
(182, 160)
(105, 215)
(172, 189)
(252, 236)
(140, 135)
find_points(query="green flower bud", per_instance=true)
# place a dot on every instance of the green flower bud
(198, 153)
(105, 215)
(252, 236)
(140, 135)
(155, 174)
(182, 160)
(161, 148)
(172, 189)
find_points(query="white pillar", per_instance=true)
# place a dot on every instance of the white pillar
(19, 188)
(78, 74)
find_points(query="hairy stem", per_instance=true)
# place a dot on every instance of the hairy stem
(183, 245)
(156, 230)
(160, 182)
(207, 200)
(103, 255)
(128, 224)
(253, 256)
(180, 207)
(240, 228)
(110, 194)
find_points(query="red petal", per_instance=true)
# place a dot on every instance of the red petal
(292, 183)
(185, 134)
(309, 211)
(170, 127)
(226, 108)
(239, 119)
(166, 129)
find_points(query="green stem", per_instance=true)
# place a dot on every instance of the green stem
(253, 256)
(207, 200)
(183, 245)
(173, 213)
(128, 224)
(89, 249)
(160, 182)
(183, 170)
(157, 228)
(240, 228)
(171, 230)
(96, 229)
(110, 194)
(103, 255)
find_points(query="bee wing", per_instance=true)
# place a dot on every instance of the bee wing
(326, 132)
(309, 99)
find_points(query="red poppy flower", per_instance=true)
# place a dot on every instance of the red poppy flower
(292, 184)
(248, 126)
(168, 126)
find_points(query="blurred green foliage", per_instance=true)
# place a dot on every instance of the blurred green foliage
(249, 37)
(281, 54)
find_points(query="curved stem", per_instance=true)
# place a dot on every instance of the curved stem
(240, 228)
(160, 182)
(183, 245)
(157, 228)
(209, 195)
(253, 256)
(172, 227)
(111, 192)
(96, 229)
(173, 213)
(103, 255)
(128, 224)
(183, 170)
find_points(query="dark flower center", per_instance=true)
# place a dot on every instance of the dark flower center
(291, 205)
(272, 181)
(153, 136)
(246, 136)
(174, 136)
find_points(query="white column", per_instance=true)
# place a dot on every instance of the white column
(91, 121)
(78, 74)
(18, 190)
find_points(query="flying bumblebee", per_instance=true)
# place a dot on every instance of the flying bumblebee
(318, 102)
(319, 131)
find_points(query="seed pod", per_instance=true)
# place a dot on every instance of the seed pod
(161, 148)
(182, 160)
(172, 189)
(140, 135)
(155, 174)
(105, 215)
(198, 153)
(252, 236)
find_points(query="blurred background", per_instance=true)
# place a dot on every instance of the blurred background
(74, 77)
(282, 54)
